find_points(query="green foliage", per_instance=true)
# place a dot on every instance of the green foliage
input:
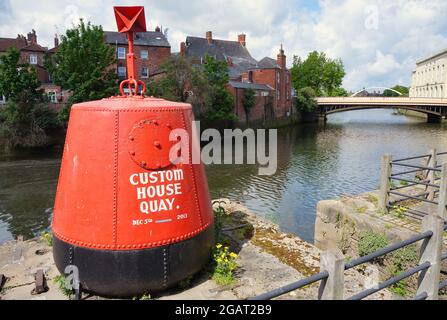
(373, 199)
(322, 74)
(204, 87)
(219, 215)
(221, 102)
(361, 210)
(402, 260)
(144, 297)
(60, 282)
(224, 265)
(405, 91)
(25, 120)
(183, 83)
(370, 242)
(26, 124)
(248, 101)
(305, 101)
(18, 82)
(48, 238)
(82, 65)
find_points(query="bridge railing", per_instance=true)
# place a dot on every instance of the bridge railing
(333, 265)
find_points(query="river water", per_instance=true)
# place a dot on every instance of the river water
(316, 162)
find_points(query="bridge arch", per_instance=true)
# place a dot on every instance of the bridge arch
(382, 88)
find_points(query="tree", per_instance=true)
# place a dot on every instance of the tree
(82, 65)
(18, 82)
(405, 91)
(221, 102)
(322, 74)
(305, 102)
(181, 82)
(248, 101)
(25, 121)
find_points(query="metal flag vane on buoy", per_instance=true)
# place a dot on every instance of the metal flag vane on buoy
(131, 20)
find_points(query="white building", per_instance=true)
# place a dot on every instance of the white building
(429, 80)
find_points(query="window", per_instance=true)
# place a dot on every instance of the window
(144, 55)
(122, 72)
(144, 72)
(2, 100)
(121, 53)
(52, 95)
(33, 59)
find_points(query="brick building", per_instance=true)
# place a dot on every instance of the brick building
(270, 78)
(151, 49)
(30, 52)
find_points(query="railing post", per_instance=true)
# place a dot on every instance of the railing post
(385, 183)
(442, 211)
(431, 175)
(333, 287)
(431, 252)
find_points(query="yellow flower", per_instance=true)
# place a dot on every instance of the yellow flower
(233, 255)
(219, 246)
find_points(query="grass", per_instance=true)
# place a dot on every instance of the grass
(361, 210)
(373, 199)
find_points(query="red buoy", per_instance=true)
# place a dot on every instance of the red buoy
(128, 218)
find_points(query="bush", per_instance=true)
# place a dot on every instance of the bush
(371, 242)
(305, 101)
(23, 125)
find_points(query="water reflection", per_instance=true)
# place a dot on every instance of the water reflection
(315, 163)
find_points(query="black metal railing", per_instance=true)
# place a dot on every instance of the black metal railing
(429, 170)
(410, 175)
(355, 263)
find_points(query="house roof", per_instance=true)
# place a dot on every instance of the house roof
(6, 43)
(223, 50)
(34, 47)
(21, 44)
(247, 85)
(150, 39)
(268, 63)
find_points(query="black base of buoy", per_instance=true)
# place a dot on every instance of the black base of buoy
(124, 274)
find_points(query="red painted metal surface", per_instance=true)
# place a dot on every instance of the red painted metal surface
(118, 189)
(131, 20)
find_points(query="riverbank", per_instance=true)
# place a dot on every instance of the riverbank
(268, 259)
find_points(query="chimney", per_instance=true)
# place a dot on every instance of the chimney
(209, 37)
(281, 58)
(242, 39)
(32, 37)
(56, 41)
(183, 49)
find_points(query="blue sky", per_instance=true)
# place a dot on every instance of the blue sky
(379, 41)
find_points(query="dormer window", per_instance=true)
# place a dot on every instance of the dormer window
(33, 59)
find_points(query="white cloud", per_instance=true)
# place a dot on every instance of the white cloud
(378, 40)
